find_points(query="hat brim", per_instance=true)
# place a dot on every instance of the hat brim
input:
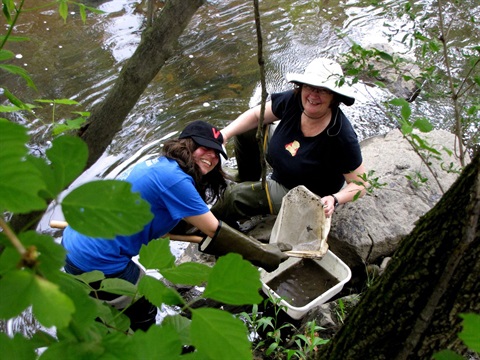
(210, 144)
(344, 93)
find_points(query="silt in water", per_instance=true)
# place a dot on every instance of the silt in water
(303, 282)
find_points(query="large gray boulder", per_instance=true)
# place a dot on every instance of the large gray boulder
(369, 229)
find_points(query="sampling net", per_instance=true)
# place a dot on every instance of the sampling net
(301, 222)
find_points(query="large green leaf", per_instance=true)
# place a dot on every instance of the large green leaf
(157, 255)
(219, 335)
(20, 181)
(106, 208)
(470, 333)
(47, 297)
(16, 288)
(85, 305)
(181, 326)
(158, 293)
(234, 281)
(188, 274)
(10, 257)
(17, 347)
(118, 286)
(68, 156)
(447, 355)
(17, 70)
(159, 342)
(50, 253)
(91, 276)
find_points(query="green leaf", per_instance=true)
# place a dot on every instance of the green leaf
(20, 181)
(219, 335)
(188, 274)
(68, 156)
(83, 14)
(399, 102)
(380, 84)
(47, 175)
(91, 276)
(384, 55)
(6, 55)
(406, 111)
(234, 281)
(18, 104)
(112, 317)
(47, 297)
(16, 70)
(423, 124)
(63, 9)
(50, 254)
(86, 307)
(159, 342)
(17, 347)
(105, 209)
(158, 293)
(157, 255)
(181, 326)
(16, 288)
(118, 286)
(470, 334)
(73, 124)
(447, 355)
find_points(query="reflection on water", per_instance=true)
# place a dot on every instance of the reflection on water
(214, 76)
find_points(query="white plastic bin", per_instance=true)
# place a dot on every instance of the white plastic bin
(330, 263)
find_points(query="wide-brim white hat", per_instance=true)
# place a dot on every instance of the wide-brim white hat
(325, 73)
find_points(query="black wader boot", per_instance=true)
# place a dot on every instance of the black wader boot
(242, 201)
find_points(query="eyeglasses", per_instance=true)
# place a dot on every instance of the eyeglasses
(318, 90)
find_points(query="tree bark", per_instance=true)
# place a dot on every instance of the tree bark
(412, 310)
(157, 45)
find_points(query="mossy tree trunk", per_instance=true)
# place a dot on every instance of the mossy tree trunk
(412, 310)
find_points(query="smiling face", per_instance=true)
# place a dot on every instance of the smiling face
(206, 159)
(316, 100)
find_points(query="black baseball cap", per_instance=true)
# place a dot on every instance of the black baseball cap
(204, 134)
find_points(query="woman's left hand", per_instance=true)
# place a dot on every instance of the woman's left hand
(328, 205)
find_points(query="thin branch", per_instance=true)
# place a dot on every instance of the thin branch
(12, 237)
(455, 94)
(261, 63)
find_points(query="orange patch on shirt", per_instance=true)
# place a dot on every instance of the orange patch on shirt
(293, 147)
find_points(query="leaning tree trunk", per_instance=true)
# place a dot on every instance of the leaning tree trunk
(157, 45)
(412, 311)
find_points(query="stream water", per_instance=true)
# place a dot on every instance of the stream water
(213, 76)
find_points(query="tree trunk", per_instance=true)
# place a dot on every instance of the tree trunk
(412, 310)
(157, 45)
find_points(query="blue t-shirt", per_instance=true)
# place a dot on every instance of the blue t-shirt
(317, 162)
(172, 197)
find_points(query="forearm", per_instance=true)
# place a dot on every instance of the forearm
(356, 187)
(349, 192)
(246, 121)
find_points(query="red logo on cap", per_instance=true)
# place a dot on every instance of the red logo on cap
(216, 133)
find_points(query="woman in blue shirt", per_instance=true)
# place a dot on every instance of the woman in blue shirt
(177, 186)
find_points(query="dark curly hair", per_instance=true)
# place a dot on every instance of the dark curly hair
(210, 186)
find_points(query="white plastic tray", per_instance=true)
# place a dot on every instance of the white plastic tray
(330, 262)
